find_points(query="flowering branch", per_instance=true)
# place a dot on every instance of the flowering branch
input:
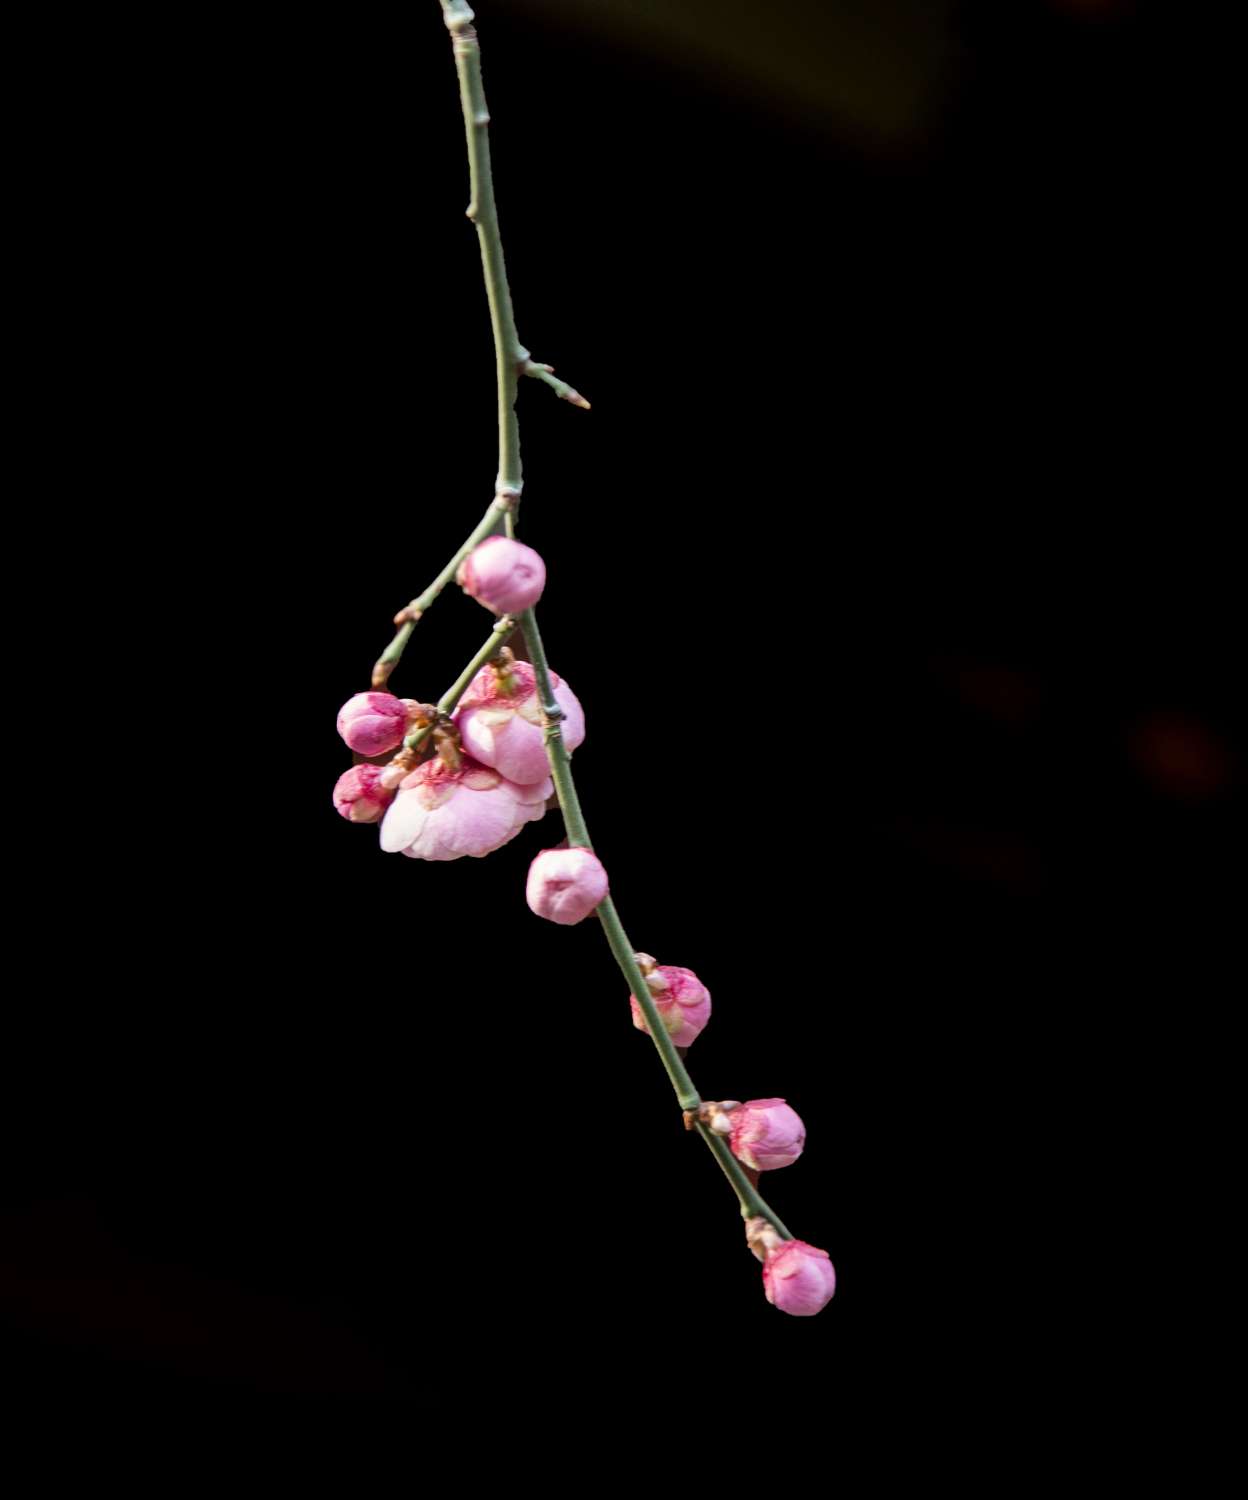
(752, 1204)
(511, 355)
(518, 721)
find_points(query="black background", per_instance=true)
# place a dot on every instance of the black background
(880, 569)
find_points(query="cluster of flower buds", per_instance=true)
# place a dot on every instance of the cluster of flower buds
(436, 802)
(478, 777)
(766, 1134)
(464, 785)
(763, 1134)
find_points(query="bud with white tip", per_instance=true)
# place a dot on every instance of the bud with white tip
(766, 1134)
(681, 999)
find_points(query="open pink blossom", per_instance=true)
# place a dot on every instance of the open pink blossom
(503, 574)
(373, 723)
(503, 729)
(565, 885)
(682, 1000)
(444, 814)
(360, 796)
(798, 1279)
(766, 1134)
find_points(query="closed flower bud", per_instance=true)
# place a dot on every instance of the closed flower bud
(503, 574)
(373, 723)
(565, 885)
(444, 812)
(500, 721)
(766, 1134)
(360, 796)
(798, 1279)
(681, 999)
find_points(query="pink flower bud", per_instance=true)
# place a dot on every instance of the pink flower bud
(444, 813)
(565, 885)
(798, 1279)
(683, 1002)
(766, 1134)
(373, 723)
(360, 796)
(504, 729)
(503, 574)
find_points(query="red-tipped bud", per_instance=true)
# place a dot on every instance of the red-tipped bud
(373, 723)
(360, 796)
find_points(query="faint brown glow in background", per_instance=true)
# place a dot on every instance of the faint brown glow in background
(875, 67)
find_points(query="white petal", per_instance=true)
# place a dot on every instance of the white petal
(404, 819)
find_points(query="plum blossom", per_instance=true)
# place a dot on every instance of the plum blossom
(500, 721)
(442, 812)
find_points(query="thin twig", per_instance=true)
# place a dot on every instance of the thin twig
(449, 700)
(408, 616)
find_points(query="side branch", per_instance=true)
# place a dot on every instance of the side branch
(561, 388)
(449, 700)
(505, 500)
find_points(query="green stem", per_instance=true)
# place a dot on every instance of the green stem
(494, 643)
(389, 658)
(552, 730)
(511, 357)
(687, 1095)
(752, 1204)
(509, 353)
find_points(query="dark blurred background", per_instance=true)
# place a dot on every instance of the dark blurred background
(890, 577)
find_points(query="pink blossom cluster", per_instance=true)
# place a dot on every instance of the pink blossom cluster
(477, 792)
(466, 785)
(490, 775)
